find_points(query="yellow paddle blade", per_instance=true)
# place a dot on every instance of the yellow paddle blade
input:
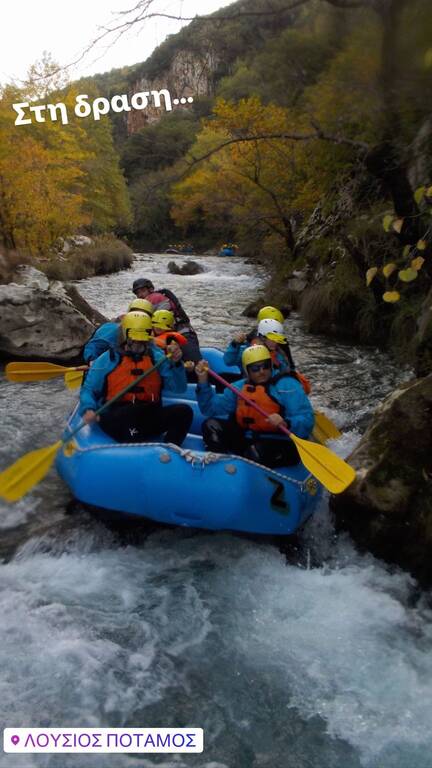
(326, 428)
(318, 435)
(26, 472)
(33, 371)
(332, 471)
(73, 379)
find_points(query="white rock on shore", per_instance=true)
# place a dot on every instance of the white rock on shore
(39, 319)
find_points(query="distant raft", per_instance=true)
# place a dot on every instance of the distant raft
(186, 486)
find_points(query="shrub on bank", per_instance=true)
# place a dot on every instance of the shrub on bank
(106, 254)
(9, 261)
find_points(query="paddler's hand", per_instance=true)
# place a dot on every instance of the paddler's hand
(276, 420)
(201, 370)
(175, 351)
(240, 337)
(90, 416)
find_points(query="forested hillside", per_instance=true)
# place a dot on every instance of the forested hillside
(316, 156)
(308, 143)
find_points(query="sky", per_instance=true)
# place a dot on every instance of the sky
(65, 29)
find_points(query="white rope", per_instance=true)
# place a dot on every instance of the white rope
(200, 460)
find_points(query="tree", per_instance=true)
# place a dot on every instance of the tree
(40, 182)
(251, 183)
(56, 178)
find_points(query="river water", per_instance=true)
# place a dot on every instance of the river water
(315, 658)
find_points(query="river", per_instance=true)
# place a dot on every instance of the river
(318, 657)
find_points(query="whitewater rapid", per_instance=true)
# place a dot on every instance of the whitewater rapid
(314, 657)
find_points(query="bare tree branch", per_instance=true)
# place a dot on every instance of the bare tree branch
(143, 13)
(318, 134)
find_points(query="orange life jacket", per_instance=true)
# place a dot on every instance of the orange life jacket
(304, 382)
(247, 417)
(148, 390)
(165, 338)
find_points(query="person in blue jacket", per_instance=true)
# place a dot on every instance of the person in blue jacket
(139, 414)
(270, 333)
(233, 426)
(108, 335)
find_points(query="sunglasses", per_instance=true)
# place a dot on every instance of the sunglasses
(256, 367)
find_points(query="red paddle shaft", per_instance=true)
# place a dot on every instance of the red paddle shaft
(246, 399)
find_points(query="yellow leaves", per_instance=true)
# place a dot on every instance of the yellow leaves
(55, 179)
(388, 269)
(390, 222)
(417, 263)
(427, 59)
(247, 181)
(407, 275)
(419, 194)
(387, 222)
(40, 191)
(391, 297)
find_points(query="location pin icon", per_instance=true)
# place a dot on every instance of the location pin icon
(15, 740)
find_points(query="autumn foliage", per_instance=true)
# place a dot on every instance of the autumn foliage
(56, 179)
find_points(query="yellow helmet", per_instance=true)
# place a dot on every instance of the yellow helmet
(270, 313)
(255, 354)
(136, 326)
(163, 318)
(141, 305)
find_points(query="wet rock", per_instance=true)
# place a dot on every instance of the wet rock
(388, 510)
(253, 308)
(188, 268)
(43, 320)
(92, 314)
(65, 245)
(32, 277)
(423, 339)
(297, 282)
(78, 241)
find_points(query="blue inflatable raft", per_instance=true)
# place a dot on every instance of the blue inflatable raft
(186, 486)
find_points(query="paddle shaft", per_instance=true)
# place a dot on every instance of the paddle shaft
(239, 394)
(332, 471)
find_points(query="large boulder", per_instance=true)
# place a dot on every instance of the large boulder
(188, 268)
(422, 341)
(75, 241)
(39, 319)
(388, 509)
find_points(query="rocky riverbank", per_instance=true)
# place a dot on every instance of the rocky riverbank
(388, 509)
(337, 304)
(43, 319)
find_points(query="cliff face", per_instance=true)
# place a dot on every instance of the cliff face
(189, 75)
